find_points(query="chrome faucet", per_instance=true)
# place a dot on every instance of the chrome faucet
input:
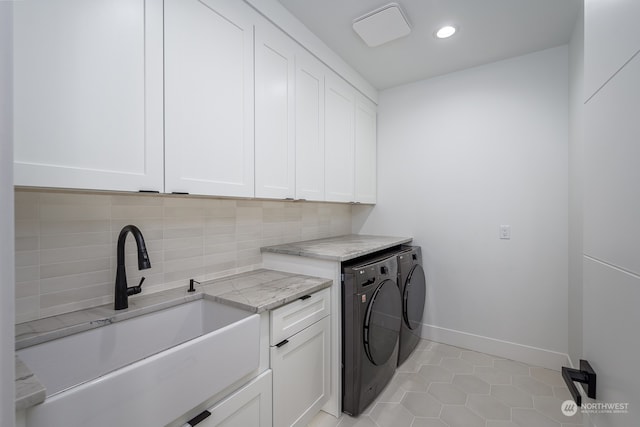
(122, 291)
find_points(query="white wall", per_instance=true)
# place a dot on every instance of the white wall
(458, 156)
(7, 396)
(611, 286)
(576, 100)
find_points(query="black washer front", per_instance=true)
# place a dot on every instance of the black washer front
(414, 295)
(371, 326)
(382, 323)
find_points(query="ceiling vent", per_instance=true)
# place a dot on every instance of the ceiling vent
(382, 25)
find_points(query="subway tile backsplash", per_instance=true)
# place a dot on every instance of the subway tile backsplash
(66, 242)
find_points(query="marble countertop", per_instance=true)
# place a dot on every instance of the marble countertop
(62, 325)
(256, 291)
(29, 390)
(341, 248)
(262, 290)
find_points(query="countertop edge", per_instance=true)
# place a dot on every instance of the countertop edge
(294, 296)
(377, 249)
(28, 389)
(290, 249)
(228, 298)
(133, 311)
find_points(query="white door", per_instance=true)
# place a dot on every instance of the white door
(248, 407)
(88, 94)
(365, 162)
(301, 375)
(339, 139)
(275, 120)
(309, 127)
(209, 97)
(611, 230)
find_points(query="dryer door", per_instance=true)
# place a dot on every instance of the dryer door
(413, 299)
(382, 322)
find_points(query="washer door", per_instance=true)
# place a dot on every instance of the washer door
(382, 322)
(413, 298)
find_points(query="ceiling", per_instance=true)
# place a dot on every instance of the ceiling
(488, 30)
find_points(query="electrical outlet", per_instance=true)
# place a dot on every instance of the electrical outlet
(505, 232)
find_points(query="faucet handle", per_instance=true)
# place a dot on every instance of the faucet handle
(135, 289)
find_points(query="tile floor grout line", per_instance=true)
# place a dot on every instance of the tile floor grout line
(538, 382)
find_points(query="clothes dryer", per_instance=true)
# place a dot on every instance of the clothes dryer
(413, 291)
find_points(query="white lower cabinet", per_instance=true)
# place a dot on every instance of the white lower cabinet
(301, 362)
(248, 407)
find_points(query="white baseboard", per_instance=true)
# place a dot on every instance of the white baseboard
(519, 352)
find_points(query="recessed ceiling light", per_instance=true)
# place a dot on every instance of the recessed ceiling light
(445, 32)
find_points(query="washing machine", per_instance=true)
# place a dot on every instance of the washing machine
(371, 322)
(413, 291)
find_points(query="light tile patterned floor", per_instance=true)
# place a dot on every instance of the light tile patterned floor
(445, 386)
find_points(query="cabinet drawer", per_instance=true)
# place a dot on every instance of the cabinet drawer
(251, 406)
(295, 316)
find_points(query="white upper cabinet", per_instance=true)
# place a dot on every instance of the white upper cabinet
(365, 186)
(88, 94)
(209, 97)
(309, 127)
(183, 96)
(339, 145)
(275, 113)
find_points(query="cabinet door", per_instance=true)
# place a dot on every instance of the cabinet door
(309, 127)
(275, 122)
(248, 407)
(365, 185)
(88, 94)
(339, 139)
(301, 375)
(209, 97)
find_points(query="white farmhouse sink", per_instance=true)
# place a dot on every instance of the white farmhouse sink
(145, 371)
